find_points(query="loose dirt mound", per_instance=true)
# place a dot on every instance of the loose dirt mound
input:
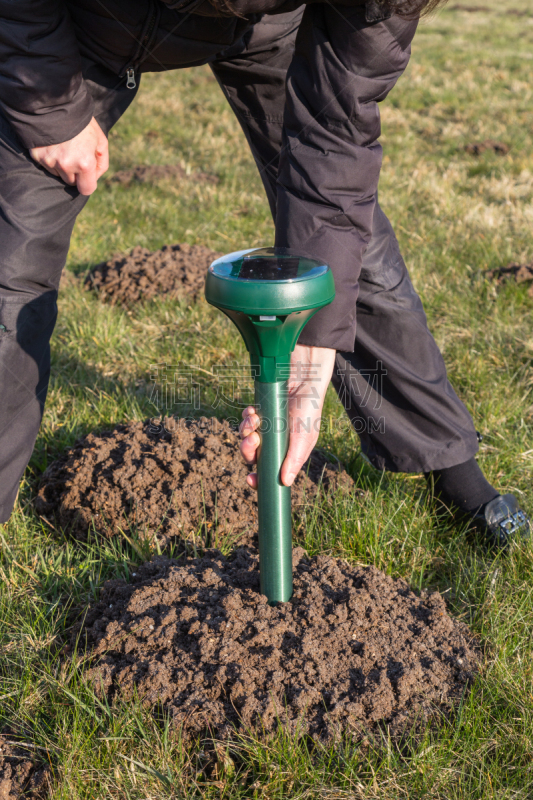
(477, 148)
(19, 776)
(151, 173)
(168, 484)
(353, 648)
(174, 271)
(520, 273)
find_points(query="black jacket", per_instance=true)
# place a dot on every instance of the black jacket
(347, 58)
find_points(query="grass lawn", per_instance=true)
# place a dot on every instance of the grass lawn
(456, 215)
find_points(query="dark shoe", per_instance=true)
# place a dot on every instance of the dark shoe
(502, 521)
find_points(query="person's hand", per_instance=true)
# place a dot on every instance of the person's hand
(80, 161)
(311, 370)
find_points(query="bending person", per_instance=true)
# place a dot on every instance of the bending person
(304, 82)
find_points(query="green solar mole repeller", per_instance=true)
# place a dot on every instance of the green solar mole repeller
(270, 294)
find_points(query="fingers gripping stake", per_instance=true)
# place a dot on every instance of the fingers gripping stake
(270, 294)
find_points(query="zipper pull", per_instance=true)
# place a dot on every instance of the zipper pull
(130, 76)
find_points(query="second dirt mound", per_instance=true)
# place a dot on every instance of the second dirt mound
(519, 273)
(477, 148)
(174, 271)
(152, 173)
(353, 649)
(167, 482)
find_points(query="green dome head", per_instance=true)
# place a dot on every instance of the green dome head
(269, 293)
(269, 281)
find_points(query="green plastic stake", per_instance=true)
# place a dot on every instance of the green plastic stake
(270, 294)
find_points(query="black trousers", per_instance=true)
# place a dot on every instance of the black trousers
(394, 386)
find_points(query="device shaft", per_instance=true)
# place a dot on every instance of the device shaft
(273, 498)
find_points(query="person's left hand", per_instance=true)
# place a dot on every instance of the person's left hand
(80, 161)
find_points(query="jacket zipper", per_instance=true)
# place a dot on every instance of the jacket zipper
(149, 31)
(131, 83)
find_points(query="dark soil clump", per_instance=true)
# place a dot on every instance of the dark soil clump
(167, 483)
(520, 273)
(174, 271)
(152, 173)
(20, 777)
(477, 148)
(353, 650)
